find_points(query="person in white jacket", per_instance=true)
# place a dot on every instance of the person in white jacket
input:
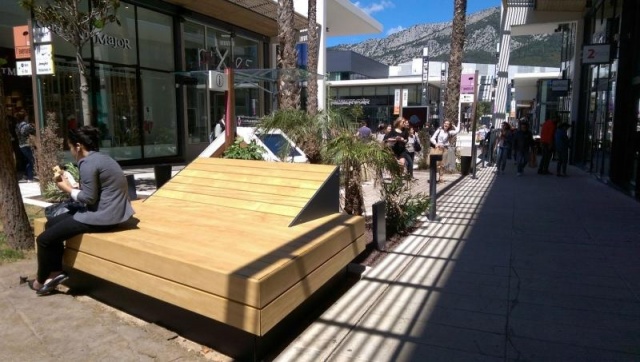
(442, 140)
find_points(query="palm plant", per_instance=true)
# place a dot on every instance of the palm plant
(312, 64)
(455, 61)
(351, 153)
(288, 88)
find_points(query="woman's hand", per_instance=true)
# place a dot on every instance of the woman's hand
(63, 185)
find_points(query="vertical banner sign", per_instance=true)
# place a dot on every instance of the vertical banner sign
(425, 76)
(21, 42)
(467, 82)
(405, 97)
(396, 102)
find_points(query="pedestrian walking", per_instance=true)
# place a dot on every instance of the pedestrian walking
(503, 146)
(442, 140)
(522, 145)
(546, 145)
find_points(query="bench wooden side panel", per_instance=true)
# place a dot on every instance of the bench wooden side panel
(250, 319)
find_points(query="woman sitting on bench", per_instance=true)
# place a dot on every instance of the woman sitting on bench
(103, 189)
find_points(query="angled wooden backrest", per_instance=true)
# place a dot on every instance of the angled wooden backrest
(300, 192)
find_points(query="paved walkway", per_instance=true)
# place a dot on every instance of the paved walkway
(520, 268)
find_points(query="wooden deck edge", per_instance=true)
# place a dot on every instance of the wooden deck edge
(209, 305)
(277, 310)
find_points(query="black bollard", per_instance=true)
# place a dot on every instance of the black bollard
(131, 187)
(162, 174)
(379, 225)
(433, 167)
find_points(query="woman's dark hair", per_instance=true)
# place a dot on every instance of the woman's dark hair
(88, 136)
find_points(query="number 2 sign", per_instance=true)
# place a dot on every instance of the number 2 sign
(596, 54)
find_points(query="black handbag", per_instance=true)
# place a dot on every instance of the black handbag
(416, 146)
(64, 207)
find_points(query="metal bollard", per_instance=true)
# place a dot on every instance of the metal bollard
(131, 187)
(162, 174)
(379, 225)
(433, 168)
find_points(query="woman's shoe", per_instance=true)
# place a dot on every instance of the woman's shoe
(50, 286)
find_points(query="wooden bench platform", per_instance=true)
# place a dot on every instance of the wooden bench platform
(241, 242)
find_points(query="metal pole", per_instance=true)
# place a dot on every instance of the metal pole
(474, 126)
(433, 192)
(35, 86)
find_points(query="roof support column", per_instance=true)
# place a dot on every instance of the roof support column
(509, 16)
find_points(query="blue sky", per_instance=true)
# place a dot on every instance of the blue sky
(396, 15)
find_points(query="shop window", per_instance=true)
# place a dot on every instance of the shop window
(193, 43)
(117, 43)
(117, 111)
(159, 123)
(155, 36)
(356, 91)
(245, 53)
(217, 55)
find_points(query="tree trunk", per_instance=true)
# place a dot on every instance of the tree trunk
(353, 193)
(288, 88)
(455, 62)
(14, 217)
(84, 89)
(312, 65)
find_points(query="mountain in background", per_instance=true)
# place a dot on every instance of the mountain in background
(482, 30)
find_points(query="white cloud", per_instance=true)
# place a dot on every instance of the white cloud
(395, 29)
(374, 7)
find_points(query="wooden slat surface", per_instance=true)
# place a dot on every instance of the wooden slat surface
(221, 309)
(250, 196)
(243, 186)
(273, 313)
(219, 230)
(233, 268)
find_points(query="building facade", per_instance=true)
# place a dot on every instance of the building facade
(147, 76)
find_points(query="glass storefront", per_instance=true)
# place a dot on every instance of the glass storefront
(608, 130)
(208, 48)
(378, 101)
(136, 99)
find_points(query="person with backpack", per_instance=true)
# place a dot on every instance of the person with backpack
(24, 131)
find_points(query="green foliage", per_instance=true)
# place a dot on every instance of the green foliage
(8, 254)
(402, 208)
(352, 155)
(69, 20)
(240, 150)
(48, 150)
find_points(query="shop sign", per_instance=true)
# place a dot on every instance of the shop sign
(596, 54)
(466, 98)
(560, 85)
(467, 83)
(218, 81)
(23, 67)
(112, 41)
(44, 59)
(396, 101)
(405, 97)
(21, 42)
(351, 102)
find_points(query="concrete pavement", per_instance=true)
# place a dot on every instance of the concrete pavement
(520, 268)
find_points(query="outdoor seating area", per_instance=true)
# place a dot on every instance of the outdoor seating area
(241, 242)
